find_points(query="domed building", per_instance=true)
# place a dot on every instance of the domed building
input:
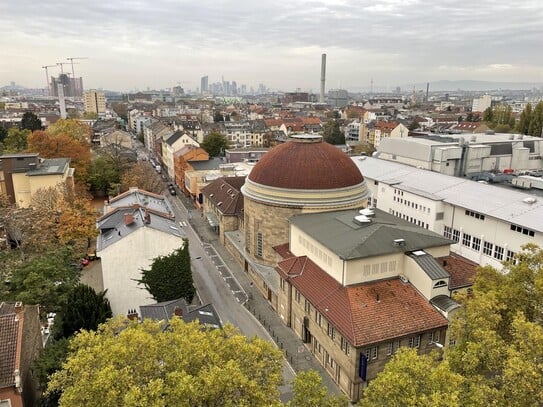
(303, 175)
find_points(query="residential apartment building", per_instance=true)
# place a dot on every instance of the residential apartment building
(23, 175)
(94, 102)
(137, 226)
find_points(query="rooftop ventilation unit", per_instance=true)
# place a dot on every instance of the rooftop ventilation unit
(361, 219)
(399, 242)
(403, 278)
(419, 253)
(366, 212)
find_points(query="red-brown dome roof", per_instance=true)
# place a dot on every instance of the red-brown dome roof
(307, 163)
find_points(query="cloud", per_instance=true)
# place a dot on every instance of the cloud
(393, 41)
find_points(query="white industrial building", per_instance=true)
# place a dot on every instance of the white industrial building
(465, 154)
(489, 223)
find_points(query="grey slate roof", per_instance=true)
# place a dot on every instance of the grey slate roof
(340, 233)
(174, 137)
(429, 264)
(163, 311)
(8, 343)
(444, 303)
(50, 166)
(113, 228)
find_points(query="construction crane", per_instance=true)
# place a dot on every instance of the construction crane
(61, 64)
(72, 62)
(71, 59)
(46, 67)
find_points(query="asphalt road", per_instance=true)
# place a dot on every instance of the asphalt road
(215, 284)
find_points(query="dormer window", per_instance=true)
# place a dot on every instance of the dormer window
(440, 283)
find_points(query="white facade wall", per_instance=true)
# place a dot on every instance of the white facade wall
(122, 263)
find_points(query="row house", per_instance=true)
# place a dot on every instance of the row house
(171, 145)
(182, 162)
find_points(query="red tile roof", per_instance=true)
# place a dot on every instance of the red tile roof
(386, 125)
(323, 165)
(226, 191)
(283, 250)
(366, 313)
(462, 270)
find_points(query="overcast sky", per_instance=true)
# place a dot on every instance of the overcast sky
(160, 43)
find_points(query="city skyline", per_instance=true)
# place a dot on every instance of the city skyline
(135, 45)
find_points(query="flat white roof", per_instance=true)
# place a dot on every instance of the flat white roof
(501, 203)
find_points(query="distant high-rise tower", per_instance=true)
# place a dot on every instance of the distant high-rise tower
(94, 102)
(204, 87)
(323, 77)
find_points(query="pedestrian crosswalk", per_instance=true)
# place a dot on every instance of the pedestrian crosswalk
(183, 224)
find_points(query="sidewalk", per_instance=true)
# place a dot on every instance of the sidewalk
(297, 355)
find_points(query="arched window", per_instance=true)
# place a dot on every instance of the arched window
(440, 283)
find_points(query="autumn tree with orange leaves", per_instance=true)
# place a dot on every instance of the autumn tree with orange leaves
(48, 145)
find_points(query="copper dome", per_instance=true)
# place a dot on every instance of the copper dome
(306, 163)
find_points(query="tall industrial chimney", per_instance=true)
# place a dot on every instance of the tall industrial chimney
(323, 77)
(61, 101)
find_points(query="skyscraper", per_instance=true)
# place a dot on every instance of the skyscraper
(204, 84)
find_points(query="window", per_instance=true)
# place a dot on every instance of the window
(345, 346)
(282, 283)
(456, 235)
(440, 283)
(510, 255)
(331, 331)
(447, 232)
(259, 244)
(466, 240)
(390, 348)
(414, 341)
(440, 215)
(434, 336)
(371, 353)
(498, 252)
(297, 296)
(476, 244)
(307, 307)
(524, 231)
(487, 248)
(318, 318)
(475, 215)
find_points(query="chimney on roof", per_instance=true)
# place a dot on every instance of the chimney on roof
(178, 312)
(147, 216)
(132, 315)
(18, 307)
(128, 219)
(444, 262)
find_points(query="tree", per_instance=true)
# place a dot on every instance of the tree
(494, 333)
(536, 122)
(143, 176)
(50, 360)
(72, 128)
(126, 363)
(16, 140)
(69, 211)
(30, 122)
(83, 309)
(49, 145)
(215, 144)
(414, 125)
(488, 115)
(525, 118)
(332, 133)
(45, 279)
(170, 276)
(3, 133)
(102, 174)
(308, 391)
(412, 380)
